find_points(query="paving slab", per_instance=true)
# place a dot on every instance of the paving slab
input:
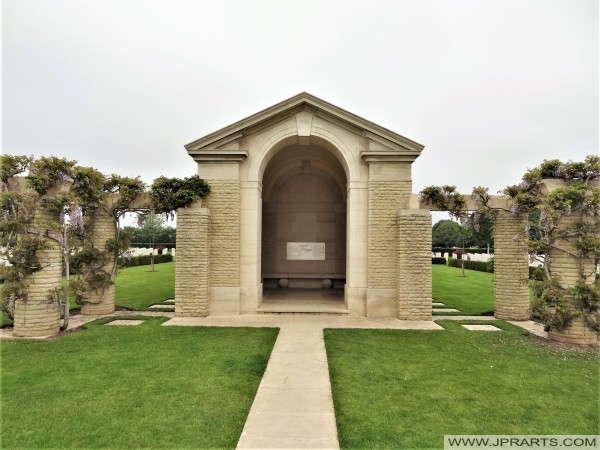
(126, 322)
(293, 407)
(445, 310)
(170, 300)
(161, 306)
(437, 304)
(481, 328)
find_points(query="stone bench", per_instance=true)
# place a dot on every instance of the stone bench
(302, 280)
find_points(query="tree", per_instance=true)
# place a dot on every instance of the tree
(446, 233)
(150, 226)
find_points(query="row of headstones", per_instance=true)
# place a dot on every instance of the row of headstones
(142, 251)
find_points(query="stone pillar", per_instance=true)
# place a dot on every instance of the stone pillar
(250, 246)
(566, 268)
(357, 248)
(192, 267)
(511, 267)
(102, 300)
(221, 169)
(224, 205)
(37, 317)
(389, 188)
(414, 264)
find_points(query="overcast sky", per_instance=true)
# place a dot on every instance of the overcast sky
(490, 87)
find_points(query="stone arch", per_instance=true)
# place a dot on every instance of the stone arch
(288, 136)
(304, 200)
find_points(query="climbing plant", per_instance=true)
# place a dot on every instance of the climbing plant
(562, 202)
(74, 195)
(567, 223)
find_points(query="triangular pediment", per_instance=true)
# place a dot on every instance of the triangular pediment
(227, 139)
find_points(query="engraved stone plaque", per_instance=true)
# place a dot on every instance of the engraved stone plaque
(306, 251)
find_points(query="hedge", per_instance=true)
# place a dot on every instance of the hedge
(144, 260)
(438, 260)
(479, 266)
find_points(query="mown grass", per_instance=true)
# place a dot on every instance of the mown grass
(407, 389)
(138, 288)
(472, 294)
(132, 387)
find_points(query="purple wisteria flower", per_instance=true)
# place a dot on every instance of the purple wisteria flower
(76, 216)
(514, 210)
(62, 177)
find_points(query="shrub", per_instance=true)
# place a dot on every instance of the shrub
(479, 266)
(536, 273)
(438, 260)
(145, 260)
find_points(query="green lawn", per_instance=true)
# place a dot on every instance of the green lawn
(407, 389)
(138, 288)
(472, 294)
(132, 387)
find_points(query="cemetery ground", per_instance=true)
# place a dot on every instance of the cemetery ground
(192, 387)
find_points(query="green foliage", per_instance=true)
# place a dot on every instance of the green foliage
(448, 233)
(169, 194)
(445, 198)
(480, 266)
(48, 172)
(13, 165)
(89, 186)
(129, 189)
(568, 214)
(438, 260)
(144, 260)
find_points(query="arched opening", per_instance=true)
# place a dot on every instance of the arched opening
(303, 255)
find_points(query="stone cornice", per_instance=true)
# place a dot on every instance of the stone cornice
(389, 157)
(294, 105)
(219, 156)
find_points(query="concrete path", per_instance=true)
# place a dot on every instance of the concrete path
(293, 407)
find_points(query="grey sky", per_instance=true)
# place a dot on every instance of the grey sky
(489, 87)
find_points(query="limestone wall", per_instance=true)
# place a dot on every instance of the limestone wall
(385, 198)
(36, 317)
(193, 256)
(414, 264)
(102, 300)
(566, 268)
(224, 205)
(511, 267)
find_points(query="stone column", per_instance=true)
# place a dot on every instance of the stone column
(511, 267)
(566, 268)
(37, 317)
(102, 300)
(357, 248)
(414, 264)
(389, 188)
(192, 267)
(221, 169)
(250, 246)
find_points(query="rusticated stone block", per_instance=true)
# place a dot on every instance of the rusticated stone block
(101, 301)
(385, 197)
(511, 267)
(193, 257)
(414, 265)
(37, 317)
(224, 205)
